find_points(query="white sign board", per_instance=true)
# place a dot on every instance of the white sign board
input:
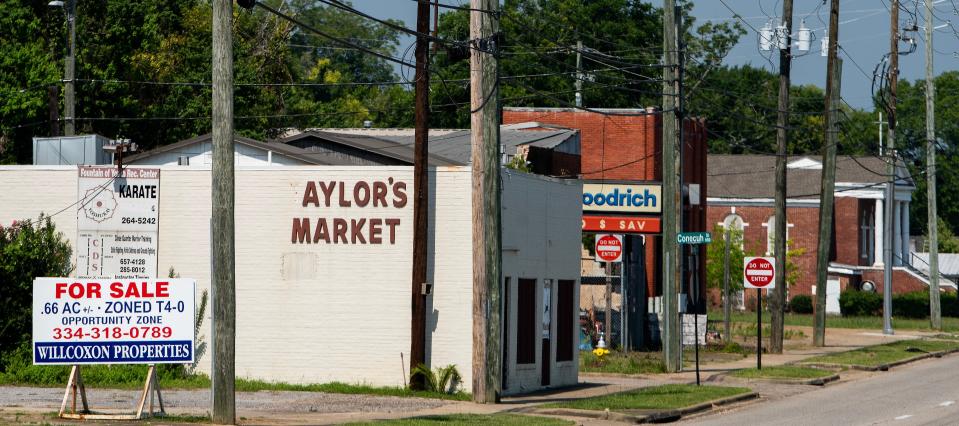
(759, 272)
(623, 198)
(84, 321)
(690, 332)
(117, 223)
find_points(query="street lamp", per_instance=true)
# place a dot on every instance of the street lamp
(69, 65)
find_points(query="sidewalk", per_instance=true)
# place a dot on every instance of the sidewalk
(319, 408)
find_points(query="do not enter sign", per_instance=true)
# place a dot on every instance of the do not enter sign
(609, 247)
(759, 272)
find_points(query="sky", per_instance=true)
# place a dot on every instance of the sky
(863, 37)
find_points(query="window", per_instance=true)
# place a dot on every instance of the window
(770, 226)
(867, 232)
(565, 314)
(526, 326)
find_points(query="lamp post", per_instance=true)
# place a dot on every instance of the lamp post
(69, 65)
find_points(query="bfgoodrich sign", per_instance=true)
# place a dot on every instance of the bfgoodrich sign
(623, 198)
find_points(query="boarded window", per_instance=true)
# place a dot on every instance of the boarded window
(565, 313)
(526, 325)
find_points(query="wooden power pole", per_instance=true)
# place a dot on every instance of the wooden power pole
(223, 274)
(487, 259)
(777, 303)
(889, 227)
(421, 196)
(672, 197)
(935, 314)
(826, 195)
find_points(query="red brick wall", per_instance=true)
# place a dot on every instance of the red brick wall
(902, 281)
(615, 147)
(803, 235)
(847, 230)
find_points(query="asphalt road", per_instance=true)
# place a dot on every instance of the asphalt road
(924, 393)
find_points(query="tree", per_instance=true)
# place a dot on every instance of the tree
(911, 146)
(620, 56)
(28, 249)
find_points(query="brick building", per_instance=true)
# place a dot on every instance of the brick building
(741, 195)
(623, 146)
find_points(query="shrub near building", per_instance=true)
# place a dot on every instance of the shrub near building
(907, 305)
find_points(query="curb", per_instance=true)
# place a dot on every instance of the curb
(819, 381)
(647, 417)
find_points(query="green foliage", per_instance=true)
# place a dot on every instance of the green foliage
(443, 380)
(911, 141)
(540, 39)
(500, 419)
(801, 304)
(782, 372)
(872, 356)
(860, 303)
(622, 363)
(28, 249)
(916, 305)
(715, 255)
(948, 242)
(518, 163)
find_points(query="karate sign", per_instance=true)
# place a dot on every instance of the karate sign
(759, 272)
(92, 321)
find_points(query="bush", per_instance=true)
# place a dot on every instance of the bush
(911, 305)
(28, 250)
(801, 304)
(859, 303)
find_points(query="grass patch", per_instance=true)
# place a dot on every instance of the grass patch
(622, 363)
(949, 324)
(664, 397)
(782, 372)
(475, 419)
(873, 356)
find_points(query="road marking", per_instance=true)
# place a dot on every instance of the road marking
(947, 403)
(904, 417)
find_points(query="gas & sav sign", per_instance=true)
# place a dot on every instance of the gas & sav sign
(92, 321)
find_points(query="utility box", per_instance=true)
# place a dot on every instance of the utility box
(71, 150)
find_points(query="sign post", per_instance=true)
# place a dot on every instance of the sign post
(695, 239)
(609, 249)
(759, 273)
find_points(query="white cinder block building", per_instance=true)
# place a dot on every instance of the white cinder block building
(324, 263)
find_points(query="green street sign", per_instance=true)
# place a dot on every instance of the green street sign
(694, 238)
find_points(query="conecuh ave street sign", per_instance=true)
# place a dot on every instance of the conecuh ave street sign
(694, 238)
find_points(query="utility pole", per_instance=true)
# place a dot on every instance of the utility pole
(53, 108)
(672, 197)
(69, 71)
(421, 196)
(935, 315)
(224, 268)
(826, 195)
(890, 193)
(777, 303)
(579, 74)
(484, 156)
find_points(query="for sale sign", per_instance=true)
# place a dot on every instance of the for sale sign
(609, 247)
(759, 272)
(93, 321)
(117, 222)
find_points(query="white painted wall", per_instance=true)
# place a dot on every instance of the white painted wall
(312, 313)
(200, 155)
(537, 216)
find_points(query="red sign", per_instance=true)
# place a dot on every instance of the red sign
(759, 272)
(622, 224)
(609, 248)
